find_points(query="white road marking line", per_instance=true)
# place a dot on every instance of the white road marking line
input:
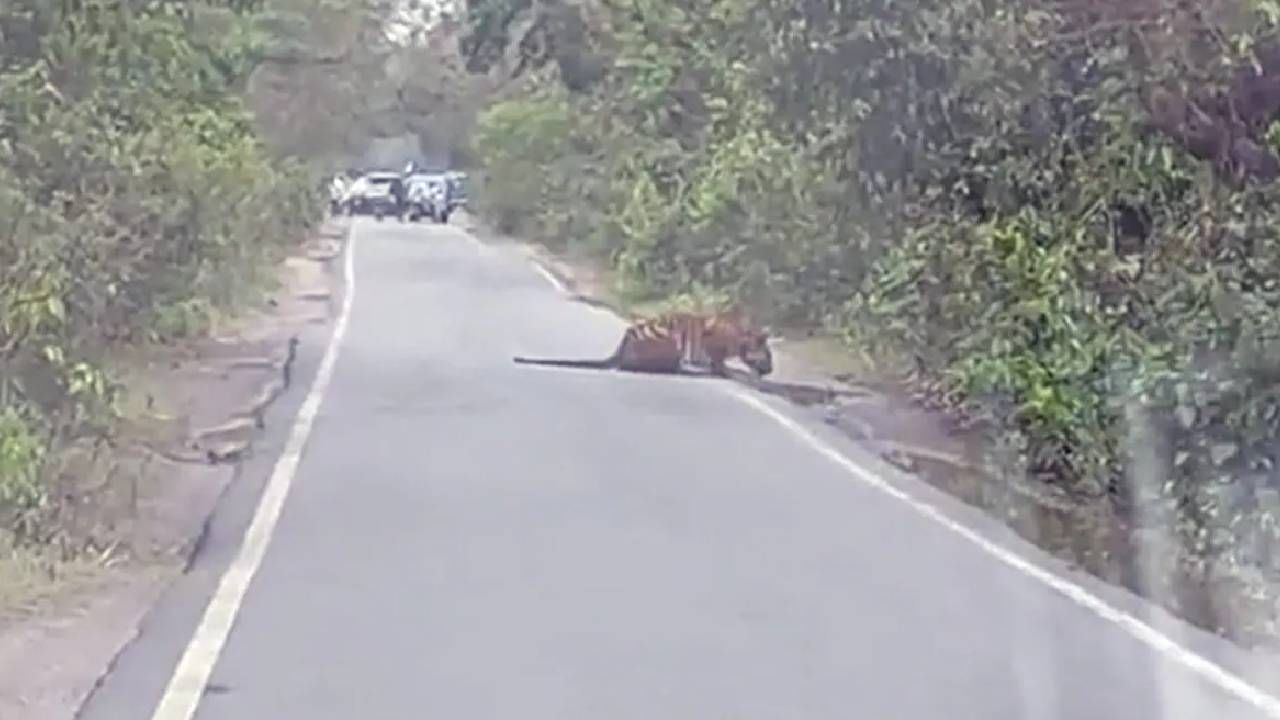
(182, 696)
(1141, 631)
(551, 278)
(564, 290)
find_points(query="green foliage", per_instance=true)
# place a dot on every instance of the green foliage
(988, 188)
(137, 200)
(524, 139)
(20, 454)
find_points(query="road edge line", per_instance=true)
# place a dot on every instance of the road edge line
(186, 687)
(1145, 633)
(550, 277)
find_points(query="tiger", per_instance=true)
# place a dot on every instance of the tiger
(670, 342)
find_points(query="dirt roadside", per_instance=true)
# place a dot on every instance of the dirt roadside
(907, 429)
(192, 411)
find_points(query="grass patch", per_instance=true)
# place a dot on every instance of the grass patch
(33, 581)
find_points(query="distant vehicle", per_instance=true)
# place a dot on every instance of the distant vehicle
(377, 193)
(457, 182)
(426, 197)
(337, 192)
(353, 190)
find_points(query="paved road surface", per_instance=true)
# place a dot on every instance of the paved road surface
(468, 539)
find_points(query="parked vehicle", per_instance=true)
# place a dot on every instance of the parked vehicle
(440, 193)
(337, 193)
(457, 189)
(428, 197)
(420, 200)
(378, 194)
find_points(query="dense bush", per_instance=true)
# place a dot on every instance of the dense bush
(135, 200)
(1055, 218)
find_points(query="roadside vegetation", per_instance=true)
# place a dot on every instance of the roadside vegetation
(1057, 222)
(137, 203)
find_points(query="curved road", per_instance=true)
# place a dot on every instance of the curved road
(467, 539)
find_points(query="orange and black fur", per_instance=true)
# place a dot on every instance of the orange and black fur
(664, 343)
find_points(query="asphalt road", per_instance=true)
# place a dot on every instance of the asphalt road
(468, 539)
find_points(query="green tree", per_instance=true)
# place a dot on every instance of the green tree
(137, 197)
